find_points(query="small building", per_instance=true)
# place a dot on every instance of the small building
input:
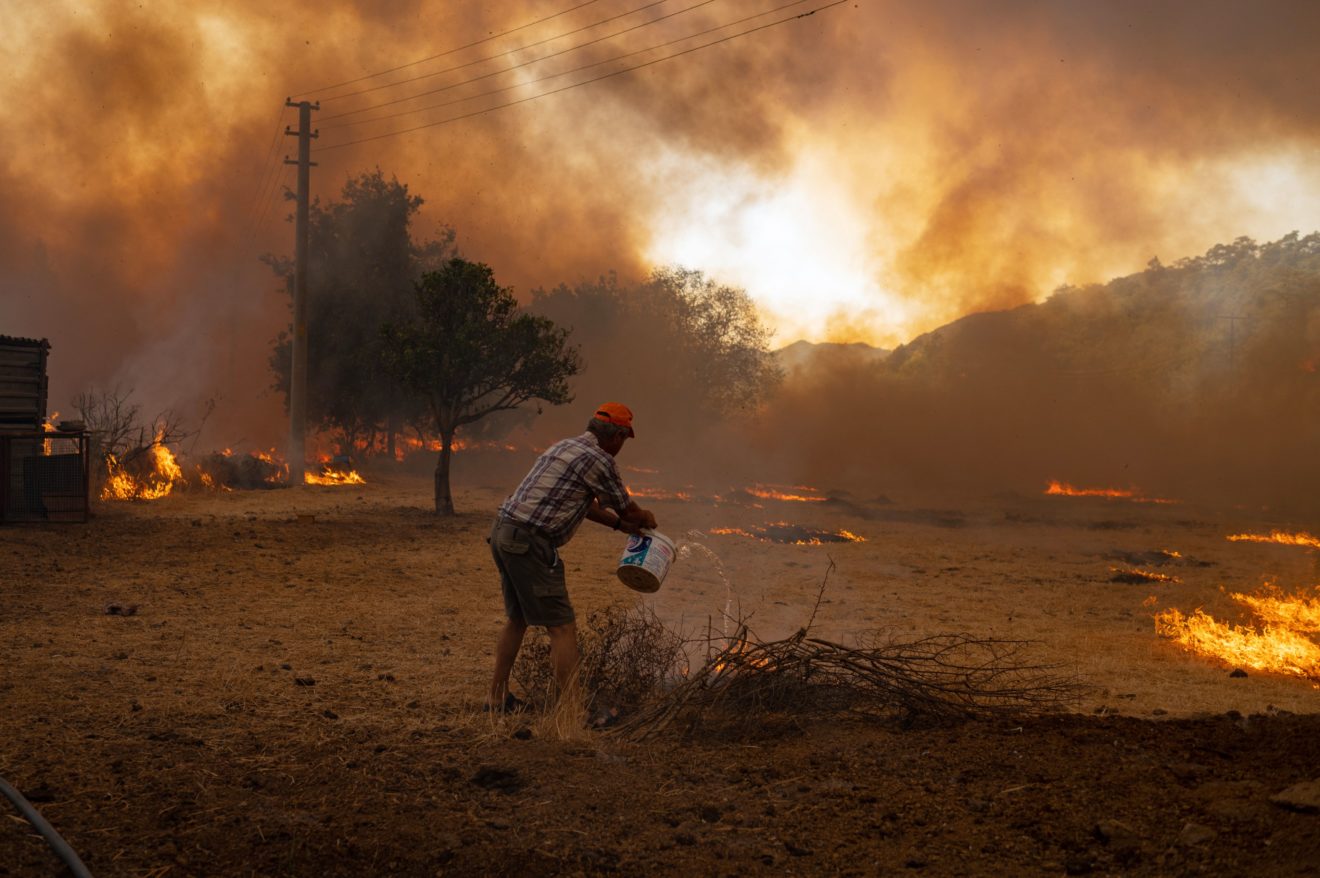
(44, 474)
(22, 384)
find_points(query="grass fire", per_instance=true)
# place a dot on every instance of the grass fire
(1283, 641)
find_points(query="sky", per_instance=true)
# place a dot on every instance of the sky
(867, 173)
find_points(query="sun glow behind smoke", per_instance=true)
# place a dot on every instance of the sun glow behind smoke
(798, 244)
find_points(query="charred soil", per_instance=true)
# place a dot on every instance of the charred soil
(297, 693)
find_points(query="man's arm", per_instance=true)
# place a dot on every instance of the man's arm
(633, 519)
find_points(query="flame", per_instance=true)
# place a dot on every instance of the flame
(272, 457)
(1063, 489)
(659, 494)
(209, 483)
(783, 532)
(405, 445)
(1280, 645)
(158, 482)
(1297, 612)
(732, 531)
(783, 492)
(48, 426)
(1136, 574)
(330, 475)
(467, 445)
(1277, 536)
(733, 656)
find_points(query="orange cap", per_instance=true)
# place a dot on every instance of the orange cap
(616, 413)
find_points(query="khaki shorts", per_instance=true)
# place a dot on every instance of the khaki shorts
(531, 575)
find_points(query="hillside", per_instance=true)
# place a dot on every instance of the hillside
(1197, 379)
(805, 354)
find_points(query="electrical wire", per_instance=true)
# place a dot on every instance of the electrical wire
(268, 169)
(272, 198)
(448, 51)
(512, 51)
(569, 50)
(586, 81)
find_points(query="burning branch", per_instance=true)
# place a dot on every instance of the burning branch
(139, 464)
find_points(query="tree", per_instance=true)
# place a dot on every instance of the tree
(469, 352)
(682, 350)
(362, 263)
(724, 344)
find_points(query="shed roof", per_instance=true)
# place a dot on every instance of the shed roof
(15, 341)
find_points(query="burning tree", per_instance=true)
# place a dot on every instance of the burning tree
(469, 352)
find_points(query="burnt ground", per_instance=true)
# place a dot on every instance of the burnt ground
(294, 692)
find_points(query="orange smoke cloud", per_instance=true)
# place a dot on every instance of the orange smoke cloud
(991, 151)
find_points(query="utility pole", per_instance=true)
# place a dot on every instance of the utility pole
(297, 454)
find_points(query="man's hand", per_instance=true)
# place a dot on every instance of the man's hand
(635, 518)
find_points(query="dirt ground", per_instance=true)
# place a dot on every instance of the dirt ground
(296, 692)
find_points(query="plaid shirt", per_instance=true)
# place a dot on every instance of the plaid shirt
(555, 496)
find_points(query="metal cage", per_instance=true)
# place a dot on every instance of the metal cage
(45, 476)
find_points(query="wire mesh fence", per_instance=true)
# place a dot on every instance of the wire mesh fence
(44, 477)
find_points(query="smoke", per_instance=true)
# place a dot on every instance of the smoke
(992, 152)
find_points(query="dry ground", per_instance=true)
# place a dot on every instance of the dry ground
(297, 691)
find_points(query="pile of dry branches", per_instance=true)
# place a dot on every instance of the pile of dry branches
(637, 668)
(938, 678)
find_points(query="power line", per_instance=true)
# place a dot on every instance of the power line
(268, 164)
(587, 81)
(448, 51)
(512, 51)
(273, 197)
(546, 58)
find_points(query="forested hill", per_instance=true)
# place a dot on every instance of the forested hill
(1241, 314)
(1194, 379)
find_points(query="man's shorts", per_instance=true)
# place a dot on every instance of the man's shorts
(531, 575)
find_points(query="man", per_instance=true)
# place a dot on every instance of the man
(575, 478)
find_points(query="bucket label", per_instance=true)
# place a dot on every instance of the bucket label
(636, 550)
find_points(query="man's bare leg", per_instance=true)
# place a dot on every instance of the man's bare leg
(564, 654)
(506, 651)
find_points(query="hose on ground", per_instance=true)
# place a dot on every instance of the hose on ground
(57, 844)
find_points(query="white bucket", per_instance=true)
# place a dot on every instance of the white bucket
(646, 560)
